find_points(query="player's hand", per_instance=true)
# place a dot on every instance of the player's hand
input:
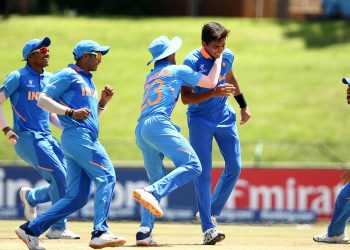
(106, 95)
(245, 115)
(225, 89)
(346, 176)
(81, 114)
(11, 136)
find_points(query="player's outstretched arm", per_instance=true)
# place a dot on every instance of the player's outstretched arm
(47, 103)
(188, 96)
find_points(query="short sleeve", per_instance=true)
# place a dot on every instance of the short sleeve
(11, 83)
(228, 58)
(190, 62)
(188, 75)
(59, 83)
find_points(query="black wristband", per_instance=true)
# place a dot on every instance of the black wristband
(6, 130)
(69, 112)
(241, 101)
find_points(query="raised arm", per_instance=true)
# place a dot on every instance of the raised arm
(106, 95)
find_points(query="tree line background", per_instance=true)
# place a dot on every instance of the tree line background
(88, 7)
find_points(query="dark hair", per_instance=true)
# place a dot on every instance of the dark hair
(213, 31)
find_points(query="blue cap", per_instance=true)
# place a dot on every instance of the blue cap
(161, 47)
(346, 81)
(33, 45)
(88, 46)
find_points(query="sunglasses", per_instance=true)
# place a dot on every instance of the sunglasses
(42, 50)
(97, 55)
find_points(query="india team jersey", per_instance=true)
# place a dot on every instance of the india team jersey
(199, 60)
(162, 87)
(73, 87)
(23, 87)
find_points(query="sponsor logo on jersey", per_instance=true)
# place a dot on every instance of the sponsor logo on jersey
(30, 84)
(202, 69)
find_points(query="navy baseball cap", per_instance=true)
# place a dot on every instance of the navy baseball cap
(161, 47)
(346, 81)
(33, 45)
(85, 46)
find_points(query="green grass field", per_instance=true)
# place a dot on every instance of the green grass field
(289, 71)
(176, 236)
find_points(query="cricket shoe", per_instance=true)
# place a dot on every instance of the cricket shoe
(148, 201)
(212, 236)
(213, 219)
(62, 234)
(101, 239)
(145, 239)
(337, 239)
(29, 210)
(32, 242)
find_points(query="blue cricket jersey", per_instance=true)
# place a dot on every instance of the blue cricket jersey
(163, 85)
(23, 87)
(199, 60)
(73, 87)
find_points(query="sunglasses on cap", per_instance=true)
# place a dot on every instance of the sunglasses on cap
(97, 55)
(42, 50)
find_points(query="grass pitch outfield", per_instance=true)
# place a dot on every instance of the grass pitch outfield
(176, 236)
(289, 72)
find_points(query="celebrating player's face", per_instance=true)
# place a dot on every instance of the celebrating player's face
(40, 57)
(94, 60)
(215, 48)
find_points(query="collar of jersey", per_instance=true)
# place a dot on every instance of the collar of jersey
(205, 54)
(80, 70)
(161, 64)
(32, 71)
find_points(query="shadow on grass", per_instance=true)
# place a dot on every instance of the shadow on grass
(318, 33)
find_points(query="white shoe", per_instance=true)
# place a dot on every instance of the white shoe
(106, 239)
(62, 234)
(212, 236)
(29, 211)
(213, 219)
(32, 242)
(145, 239)
(148, 201)
(337, 239)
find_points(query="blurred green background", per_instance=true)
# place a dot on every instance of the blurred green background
(289, 71)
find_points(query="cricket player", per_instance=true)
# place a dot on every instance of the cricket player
(31, 134)
(336, 228)
(73, 96)
(211, 116)
(157, 137)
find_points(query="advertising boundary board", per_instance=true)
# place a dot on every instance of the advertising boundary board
(261, 195)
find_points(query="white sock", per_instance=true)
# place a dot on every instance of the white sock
(144, 229)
